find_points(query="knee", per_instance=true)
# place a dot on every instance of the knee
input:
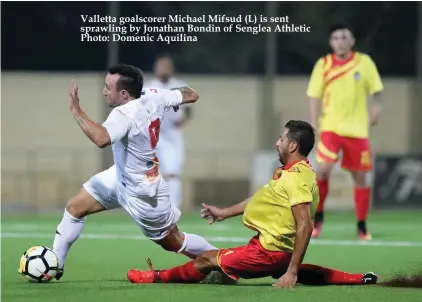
(359, 179)
(83, 204)
(173, 242)
(206, 262)
(171, 247)
(77, 207)
(324, 171)
(323, 176)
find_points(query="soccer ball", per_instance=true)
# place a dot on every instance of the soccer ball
(38, 264)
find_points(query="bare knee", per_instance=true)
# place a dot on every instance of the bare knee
(173, 242)
(206, 262)
(359, 178)
(324, 171)
(83, 204)
(76, 207)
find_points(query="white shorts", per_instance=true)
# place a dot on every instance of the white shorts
(156, 216)
(170, 156)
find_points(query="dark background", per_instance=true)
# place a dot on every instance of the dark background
(46, 36)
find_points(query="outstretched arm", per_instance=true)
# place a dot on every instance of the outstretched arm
(236, 209)
(216, 214)
(95, 132)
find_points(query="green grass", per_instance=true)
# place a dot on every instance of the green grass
(97, 264)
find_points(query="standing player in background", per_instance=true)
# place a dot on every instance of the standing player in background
(170, 148)
(341, 82)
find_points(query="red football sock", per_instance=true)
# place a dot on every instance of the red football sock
(362, 196)
(184, 273)
(310, 274)
(323, 191)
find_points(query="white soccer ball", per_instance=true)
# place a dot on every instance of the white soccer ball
(39, 264)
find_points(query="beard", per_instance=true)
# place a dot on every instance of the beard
(112, 105)
(280, 158)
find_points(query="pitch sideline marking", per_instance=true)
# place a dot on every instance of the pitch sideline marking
(334, 227)
(123, 226)
(224, 239)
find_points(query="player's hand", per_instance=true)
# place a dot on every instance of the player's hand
(213, 214)
(288, 280)
(373, 119)
(73, 95)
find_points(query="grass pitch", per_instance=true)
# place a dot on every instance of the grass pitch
(111, 244)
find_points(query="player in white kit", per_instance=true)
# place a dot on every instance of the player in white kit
(134, 182)
(170, 148)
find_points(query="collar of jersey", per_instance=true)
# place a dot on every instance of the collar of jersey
(339, 62)
(287, 167)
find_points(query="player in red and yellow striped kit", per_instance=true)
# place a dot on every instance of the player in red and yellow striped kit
(341, 82)
(281, 213)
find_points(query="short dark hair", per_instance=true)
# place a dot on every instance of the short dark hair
(339, 26)
(303, 134)
(131, 79)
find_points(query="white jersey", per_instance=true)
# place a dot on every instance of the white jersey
(134, 129)
(168, 131)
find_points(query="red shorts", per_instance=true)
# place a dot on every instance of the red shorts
(356, 151)
(252, 261)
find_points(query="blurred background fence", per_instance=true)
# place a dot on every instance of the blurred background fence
(250, 85)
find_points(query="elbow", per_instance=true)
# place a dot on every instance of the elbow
(190, 96)
(101, 142)
(102, 145)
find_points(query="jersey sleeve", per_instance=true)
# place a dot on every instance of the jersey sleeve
(316, 82)
(117, 124)
(374, 83)
(298, 189)
(171, 98)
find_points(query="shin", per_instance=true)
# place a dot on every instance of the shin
(193, 271)
(190, 245)
(72, 223)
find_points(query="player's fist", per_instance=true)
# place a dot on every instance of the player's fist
(213, 214)
(73, 95)
(288, 280)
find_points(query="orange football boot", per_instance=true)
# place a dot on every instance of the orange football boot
(137, 276)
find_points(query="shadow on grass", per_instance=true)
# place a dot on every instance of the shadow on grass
(404, 281)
